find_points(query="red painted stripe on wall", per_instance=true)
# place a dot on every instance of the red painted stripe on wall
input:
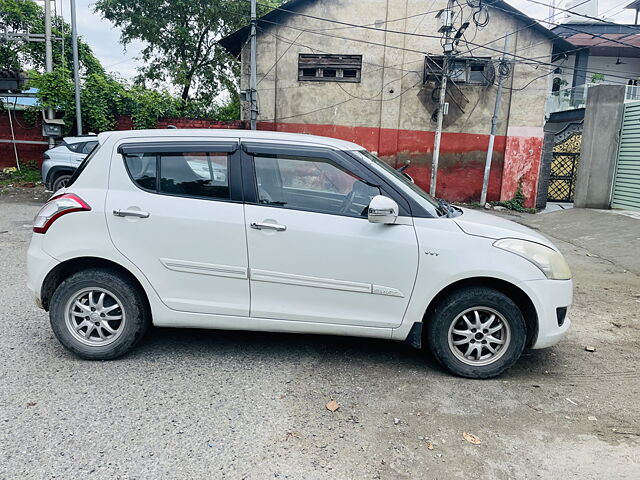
(461, 166)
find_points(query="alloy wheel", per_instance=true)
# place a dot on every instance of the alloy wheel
(95, 316)
(479, 336)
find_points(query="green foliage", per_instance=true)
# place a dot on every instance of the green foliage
(23, 15)
(31, 116)
(517, 202)
(146, 106)
(181, 38)
(103, 99)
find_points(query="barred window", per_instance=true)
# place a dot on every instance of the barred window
(329, 68)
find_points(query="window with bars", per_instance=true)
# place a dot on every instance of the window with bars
(329, 68)
(462, 70)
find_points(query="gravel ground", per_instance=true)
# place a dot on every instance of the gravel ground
(214, 404)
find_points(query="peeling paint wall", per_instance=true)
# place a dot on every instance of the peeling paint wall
(390, 110)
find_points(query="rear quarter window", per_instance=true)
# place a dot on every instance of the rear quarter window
(83, 165)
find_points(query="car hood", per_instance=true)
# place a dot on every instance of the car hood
(480, 224)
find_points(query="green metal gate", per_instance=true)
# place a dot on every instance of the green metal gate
(626, 185)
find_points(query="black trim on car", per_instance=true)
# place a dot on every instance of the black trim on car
(177, 147)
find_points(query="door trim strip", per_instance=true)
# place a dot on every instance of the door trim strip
(205, 268)
(317, 282)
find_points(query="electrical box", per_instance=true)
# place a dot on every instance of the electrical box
(445, 20)
(52, 127)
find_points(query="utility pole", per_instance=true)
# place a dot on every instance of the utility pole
(253, 67)
(76, 66)
(494, 125)
(48, 53)
(446, 26)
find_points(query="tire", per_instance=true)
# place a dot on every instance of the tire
(60, 181)
(122, 298)
(466, 350)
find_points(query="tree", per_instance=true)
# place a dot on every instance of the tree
(27, 15)
(181, 42)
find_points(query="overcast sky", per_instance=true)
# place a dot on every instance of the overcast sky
(104, 38)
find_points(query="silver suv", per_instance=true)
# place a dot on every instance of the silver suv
(62, 160)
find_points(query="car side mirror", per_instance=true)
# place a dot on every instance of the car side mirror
(382, 210)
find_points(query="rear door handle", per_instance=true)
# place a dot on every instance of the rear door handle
(131, 213)
(268, 226)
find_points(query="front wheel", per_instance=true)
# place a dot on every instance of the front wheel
(98, 314)
(477, 332)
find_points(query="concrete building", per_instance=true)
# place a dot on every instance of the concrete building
(378, 86)
(603, 54)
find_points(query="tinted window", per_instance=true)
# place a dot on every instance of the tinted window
(142, 168)
(198, 174)
(87, 147)
(82, 166)
(312, 184)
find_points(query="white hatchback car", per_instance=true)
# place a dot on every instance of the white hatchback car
(270, 231)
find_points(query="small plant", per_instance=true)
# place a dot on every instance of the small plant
(517, 202)
(597, 77)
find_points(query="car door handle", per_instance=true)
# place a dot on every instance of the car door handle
(268, 226)
(131, 213)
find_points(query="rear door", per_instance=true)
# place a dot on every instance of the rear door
(175, 210)
(313, 255)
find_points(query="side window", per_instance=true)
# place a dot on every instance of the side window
(142, 168)
(87, 147)
(197, 174)
(311, 184)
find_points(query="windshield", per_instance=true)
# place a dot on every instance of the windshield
(84, 164)
(431, 204)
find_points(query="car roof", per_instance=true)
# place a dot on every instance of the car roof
(243, 135)
(82, 138)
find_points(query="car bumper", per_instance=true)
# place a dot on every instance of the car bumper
(548, 296)
(39, 264)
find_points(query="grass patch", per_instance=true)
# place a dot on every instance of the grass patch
(27, 176)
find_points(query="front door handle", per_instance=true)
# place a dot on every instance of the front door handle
(268, 226)
(131, 213)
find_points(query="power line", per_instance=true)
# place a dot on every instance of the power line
(630, 27)
(523, 60)
(407, 33)
(519, 30)
(563, 25)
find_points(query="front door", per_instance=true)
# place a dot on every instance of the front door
(313, 255)
(175, 211)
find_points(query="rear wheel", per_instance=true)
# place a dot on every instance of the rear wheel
(476, 332)
(98, 314)
(60, 181)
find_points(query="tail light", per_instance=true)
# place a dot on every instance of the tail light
(55, 208)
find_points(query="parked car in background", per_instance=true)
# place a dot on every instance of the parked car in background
(269, 231)
(62, 160)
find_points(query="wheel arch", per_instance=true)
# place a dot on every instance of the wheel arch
(56, 171)
(519, 297)
(69, 267)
